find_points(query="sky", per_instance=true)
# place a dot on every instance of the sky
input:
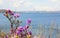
(30, 5)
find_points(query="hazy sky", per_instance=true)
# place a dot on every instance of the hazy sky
(30, 5)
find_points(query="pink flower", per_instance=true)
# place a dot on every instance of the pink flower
(26, 27)
(28, 21)
(20, 29)
(16, 15)
(29, 32)
(35, 37)
(10, 12)
(6, 36)
(17, 32)
(10, 32)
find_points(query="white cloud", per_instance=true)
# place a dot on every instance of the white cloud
(42, 8)
(15, 5)
(56, 5)
(29, 6)
(26, 5)
(45, 8)
(54, 0)
(18, 3)
(21, 5)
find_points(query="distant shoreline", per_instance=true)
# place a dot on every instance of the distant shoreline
(4, 10)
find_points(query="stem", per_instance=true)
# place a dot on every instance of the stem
(11, 24)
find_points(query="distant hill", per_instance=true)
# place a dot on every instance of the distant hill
(3, 10)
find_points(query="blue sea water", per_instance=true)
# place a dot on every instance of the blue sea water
(38, 19)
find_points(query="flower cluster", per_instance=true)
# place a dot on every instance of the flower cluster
(24, 33)
(9, 12)
(19, 31)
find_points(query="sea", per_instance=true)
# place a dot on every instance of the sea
(40, 20)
